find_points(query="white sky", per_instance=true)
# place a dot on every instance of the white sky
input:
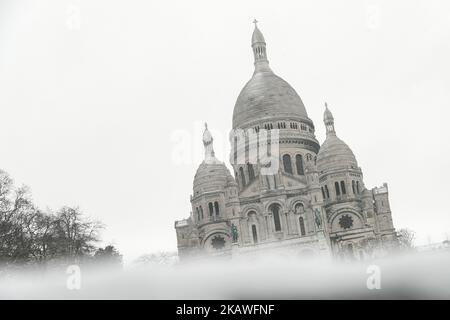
(93, 95)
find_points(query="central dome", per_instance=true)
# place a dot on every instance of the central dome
(267, 96)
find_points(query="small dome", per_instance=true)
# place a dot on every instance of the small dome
(335, 154)
(211, 176)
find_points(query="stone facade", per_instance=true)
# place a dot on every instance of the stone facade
(312, 201)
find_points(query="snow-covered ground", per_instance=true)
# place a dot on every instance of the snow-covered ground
(420, 275)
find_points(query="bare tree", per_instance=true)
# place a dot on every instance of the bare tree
(28, 235)
(17, 214)
(108, 255)
(75, 236)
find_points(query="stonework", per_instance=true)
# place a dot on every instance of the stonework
(314, 203)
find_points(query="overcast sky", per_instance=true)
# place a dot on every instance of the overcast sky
(95, 95)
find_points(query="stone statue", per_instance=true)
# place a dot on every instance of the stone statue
(318, 219)
(234, 233)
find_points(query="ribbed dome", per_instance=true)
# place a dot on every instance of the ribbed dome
(211, 176)
(267, 96)
(335, 154)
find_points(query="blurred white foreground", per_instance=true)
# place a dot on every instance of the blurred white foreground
(420, 275)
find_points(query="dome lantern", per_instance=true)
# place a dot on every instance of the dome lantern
(259, 50)
(328, 120)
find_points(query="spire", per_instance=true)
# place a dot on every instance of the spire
(208, 143)
(259, 50)
(329, 121)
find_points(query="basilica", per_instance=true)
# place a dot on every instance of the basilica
(288, 193)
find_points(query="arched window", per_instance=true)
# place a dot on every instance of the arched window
(201, 212)
(338, 191)
(323, 193)
(302, 226)
(275, 209)
(308, 157)
(357, 187)
(353, 187)
(251, 172)
(343, 187)
(254, 234)
(241, 173)
(268, 126)
(198, 214)
(327, 192)
(299, 164)
(287, 163)
(216, 207)
(211, 209)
